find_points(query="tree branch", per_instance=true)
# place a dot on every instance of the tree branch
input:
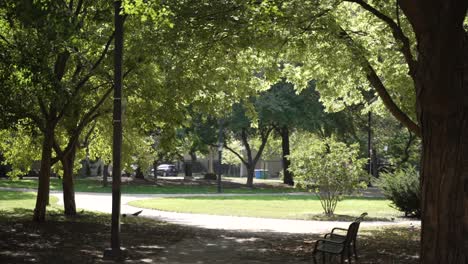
(397, 33)
(87, 137)
(388, 101)
(96, 63)
(78, 7)
(6, 40)
(264, 136)
(375, 81)
(235, 153)
(245, 141)
(43, 108)
(60, 64)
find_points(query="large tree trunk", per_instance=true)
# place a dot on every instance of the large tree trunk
(442, 103)
(288, 176)
(68, 183)
(444, 183)
(44, 175)
(444, 121)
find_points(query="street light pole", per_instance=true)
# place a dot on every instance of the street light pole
(115, 252)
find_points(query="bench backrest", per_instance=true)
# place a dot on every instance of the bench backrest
(353, 229)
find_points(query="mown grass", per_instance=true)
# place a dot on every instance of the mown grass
(26, 200)
(87, 185)
(306, 207)
(83, 238)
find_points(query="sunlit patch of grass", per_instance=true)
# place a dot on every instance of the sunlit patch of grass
(10, 200)
(306, 207)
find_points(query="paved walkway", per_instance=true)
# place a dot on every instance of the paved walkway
(102, 203)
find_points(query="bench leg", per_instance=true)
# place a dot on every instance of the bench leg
(355, 252)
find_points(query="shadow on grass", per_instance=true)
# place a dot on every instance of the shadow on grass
(82, 239)
(343, 218)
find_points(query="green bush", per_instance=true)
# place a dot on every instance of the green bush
(403, 188)
(329, 168)
(210, 176)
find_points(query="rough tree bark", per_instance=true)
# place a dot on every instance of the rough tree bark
(442, 105)
(68, 184)
(42, 198)
(288, 176)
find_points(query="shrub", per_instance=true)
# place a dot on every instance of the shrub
(328, 168)
(403, 188)
(210, 176)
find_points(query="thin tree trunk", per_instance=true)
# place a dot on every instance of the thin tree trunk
(44, 175)
(68, 183)
(139, 173)
(155, 170)
(250, 174)
(210, 161)
(288, 176)
(105, 175)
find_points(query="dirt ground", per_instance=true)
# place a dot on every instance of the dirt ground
(83, 239)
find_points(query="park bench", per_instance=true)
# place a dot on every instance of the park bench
(339, 241)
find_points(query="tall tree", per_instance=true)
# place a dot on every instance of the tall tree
(411, 53)
(55, 49)
(440, 75)
(286, 110)
(242, 128)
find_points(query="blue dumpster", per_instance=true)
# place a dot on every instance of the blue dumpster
(261, 174)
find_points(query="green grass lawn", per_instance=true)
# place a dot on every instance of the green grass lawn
(26, 200)
(87, 185)
(305, 207)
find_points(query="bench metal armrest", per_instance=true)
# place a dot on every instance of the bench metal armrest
(338, 228)
(331, 235)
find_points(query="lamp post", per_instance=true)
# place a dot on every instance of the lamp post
(220, 154)
(115, 251)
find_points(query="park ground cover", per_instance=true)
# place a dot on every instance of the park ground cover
(82, 239)
(304, 207)
(161, 186)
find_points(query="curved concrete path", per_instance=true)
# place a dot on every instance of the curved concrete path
(103, 203)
